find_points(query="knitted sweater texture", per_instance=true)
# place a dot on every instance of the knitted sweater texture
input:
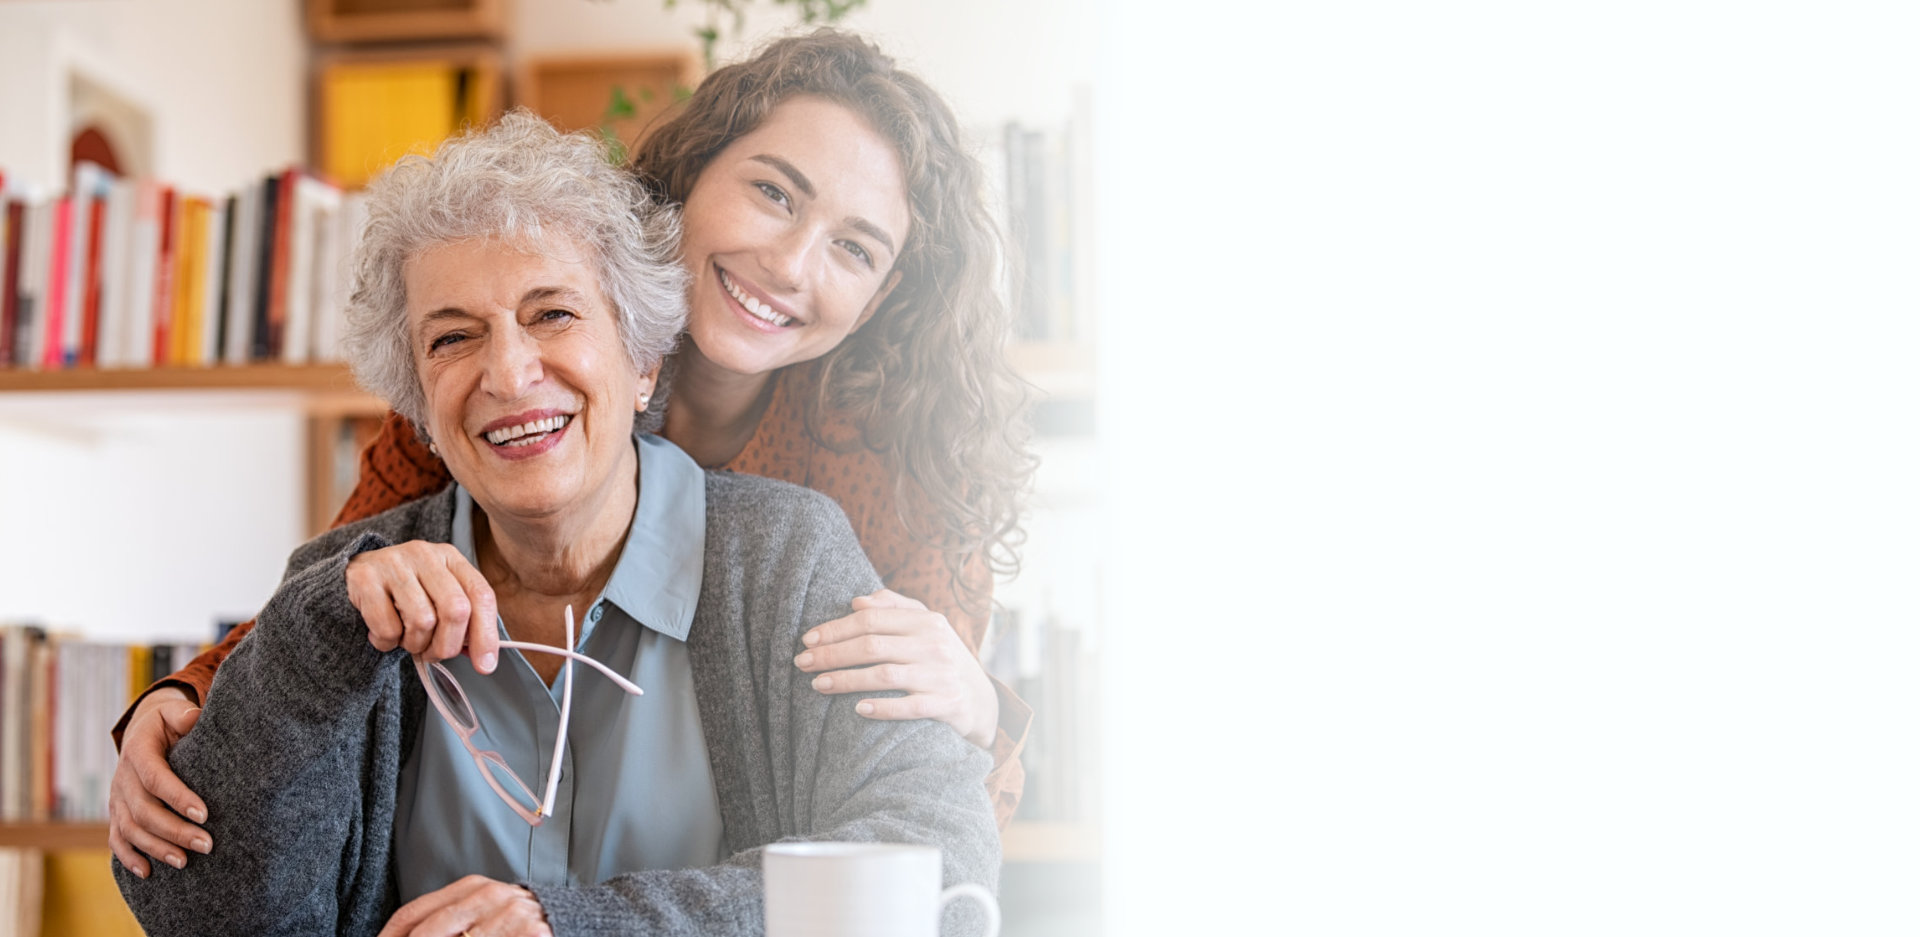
(298, 750)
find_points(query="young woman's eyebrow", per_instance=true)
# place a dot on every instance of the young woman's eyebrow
(805, 185)
(792, 172)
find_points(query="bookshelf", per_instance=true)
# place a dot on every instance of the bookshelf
(330, 385)
(374, 104)
(575, 92)
(53, 835)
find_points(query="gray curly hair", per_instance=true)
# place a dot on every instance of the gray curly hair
(520, 182)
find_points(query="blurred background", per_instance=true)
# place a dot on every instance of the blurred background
(152, 487)
(1479, 467)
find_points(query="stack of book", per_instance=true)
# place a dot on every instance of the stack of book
(1055, 668)
(1044, 177)
(59, 697)
(136, 273)
(22, 890)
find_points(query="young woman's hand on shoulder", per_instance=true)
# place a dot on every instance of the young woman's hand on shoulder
(148, 806)
(892, 642)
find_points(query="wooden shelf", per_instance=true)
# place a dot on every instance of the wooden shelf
(326, 379)
(56, 836)
(389, 20)
(1031, 841)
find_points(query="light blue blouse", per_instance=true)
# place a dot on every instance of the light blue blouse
(636, 791)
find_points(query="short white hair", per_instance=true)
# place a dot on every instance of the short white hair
(523, 183)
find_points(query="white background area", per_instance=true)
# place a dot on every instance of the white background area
(1517, 468)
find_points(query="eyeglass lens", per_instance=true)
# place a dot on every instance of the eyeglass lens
(507, 781)
(458, 706)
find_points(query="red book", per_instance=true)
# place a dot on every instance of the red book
(90, 326)
(282, 263)
(163, 282)
(54, 321)
(10, 285)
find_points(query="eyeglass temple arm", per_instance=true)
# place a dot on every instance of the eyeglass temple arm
(560, 737)
(624, 683)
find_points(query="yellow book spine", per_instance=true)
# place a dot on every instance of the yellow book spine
(139, 662)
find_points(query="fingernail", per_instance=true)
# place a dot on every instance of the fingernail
(178, 862)
(487, 661)
(810, 639)
(804, 659)
(864, 709)
(202, 845)
(823, 682)
(196, 814)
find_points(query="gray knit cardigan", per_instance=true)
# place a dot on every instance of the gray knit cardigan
(299, 748)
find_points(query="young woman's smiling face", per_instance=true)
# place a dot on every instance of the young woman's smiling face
(791, 235)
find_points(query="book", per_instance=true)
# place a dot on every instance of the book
(243, 259)
(190, 283)
(15, 226)
(143, 274)
(376, 112)
(116, 259)
(296, 336)
(263, 346)
(222, 255)
(90, 185)
(16, 653)
(33, 267)
(331, 319)
(280, 265)
(51, 325)
(90, 308)
(163, 277)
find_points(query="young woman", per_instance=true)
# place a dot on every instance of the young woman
(844, 334)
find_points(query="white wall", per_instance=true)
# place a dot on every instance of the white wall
(146, 516)
(223, 80)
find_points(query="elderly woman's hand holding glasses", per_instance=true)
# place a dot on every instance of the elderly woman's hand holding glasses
(424, 597)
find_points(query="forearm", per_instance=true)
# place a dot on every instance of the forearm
(279, 757)
(191, 681)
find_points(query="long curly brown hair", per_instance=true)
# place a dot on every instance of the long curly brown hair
(927, 378)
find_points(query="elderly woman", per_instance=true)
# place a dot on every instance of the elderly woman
(515, 295)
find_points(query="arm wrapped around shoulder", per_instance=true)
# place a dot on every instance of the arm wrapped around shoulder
(301, 725)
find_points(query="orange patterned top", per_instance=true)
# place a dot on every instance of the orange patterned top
(397, 467)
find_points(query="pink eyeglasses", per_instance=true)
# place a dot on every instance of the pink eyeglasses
(454, 707)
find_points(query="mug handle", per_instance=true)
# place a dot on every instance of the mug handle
(980, 894)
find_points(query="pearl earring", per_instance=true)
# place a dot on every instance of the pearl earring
(644, 399)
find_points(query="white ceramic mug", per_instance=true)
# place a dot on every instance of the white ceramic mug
(861, 890)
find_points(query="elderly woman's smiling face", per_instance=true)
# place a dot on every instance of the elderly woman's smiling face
(530, 395)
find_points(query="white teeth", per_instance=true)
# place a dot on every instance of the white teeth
(759, 309)
(513, 435)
